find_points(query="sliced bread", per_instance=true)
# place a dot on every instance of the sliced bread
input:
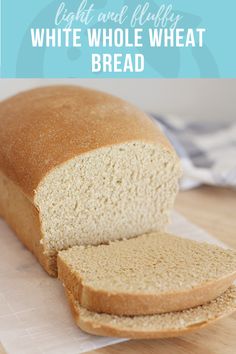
(79, 167)
(153, 273)
(154, 326)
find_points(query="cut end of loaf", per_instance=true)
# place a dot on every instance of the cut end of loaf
(111, 193)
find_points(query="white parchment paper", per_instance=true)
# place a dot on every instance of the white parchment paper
(34, 314)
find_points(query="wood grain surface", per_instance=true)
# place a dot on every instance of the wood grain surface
(213, 209)
(2, 350)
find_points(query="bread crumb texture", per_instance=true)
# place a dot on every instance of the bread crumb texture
(149, 264)
(110, 193)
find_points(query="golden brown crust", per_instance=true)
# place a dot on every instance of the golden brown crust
(45, 127)
(102, 329)
(23, 218)
(139, 304)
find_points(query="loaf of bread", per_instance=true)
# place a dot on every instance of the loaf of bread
(170, 324)
(153, 273)
(81, 167)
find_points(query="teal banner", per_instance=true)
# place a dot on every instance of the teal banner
(118, 39)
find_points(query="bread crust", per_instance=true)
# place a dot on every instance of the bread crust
(23, 217)
(45, 127)
(103, 329)
(139, 304)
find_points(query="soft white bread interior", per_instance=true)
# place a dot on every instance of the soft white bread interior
(170, 324)
(108, 194)
(153, 273)
(85, 167)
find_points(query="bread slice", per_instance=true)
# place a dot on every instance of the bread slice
(153, 273)
(84, 167)
(170, 324)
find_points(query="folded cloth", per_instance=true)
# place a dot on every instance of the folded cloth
(207, 150)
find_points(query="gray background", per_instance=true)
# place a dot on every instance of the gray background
(191, 99)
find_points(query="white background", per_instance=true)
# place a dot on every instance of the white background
(197, 99)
